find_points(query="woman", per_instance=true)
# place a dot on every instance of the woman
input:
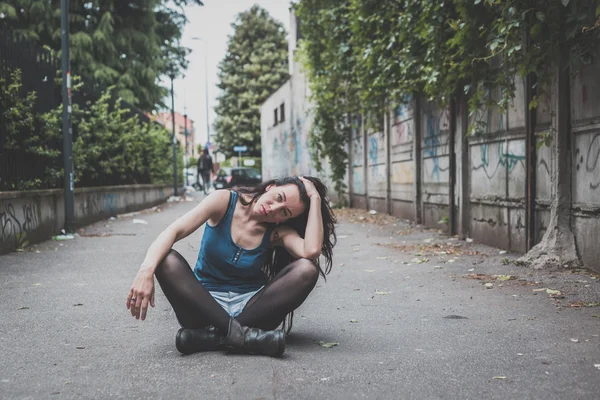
(258, 261)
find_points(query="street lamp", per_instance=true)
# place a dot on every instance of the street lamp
(174, 139)
(69, 182)
(205, 83)
(185, 135)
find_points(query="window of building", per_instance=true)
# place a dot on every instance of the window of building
(275, 121)
(282, 112)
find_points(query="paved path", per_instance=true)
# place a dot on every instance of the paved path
(410, 321)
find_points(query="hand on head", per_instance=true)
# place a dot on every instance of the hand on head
(311, 190)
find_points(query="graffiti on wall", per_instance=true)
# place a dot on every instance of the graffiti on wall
(402, 127)
(17, 227)
(99, 204)
(434, 124)
(491, 163)
(590, 159)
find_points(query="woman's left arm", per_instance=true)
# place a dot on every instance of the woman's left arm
(313, 236)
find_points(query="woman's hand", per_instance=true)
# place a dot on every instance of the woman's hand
(311, 190)
(140, 294)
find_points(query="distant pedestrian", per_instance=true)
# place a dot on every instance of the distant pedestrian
(258, 262)
(205, 166)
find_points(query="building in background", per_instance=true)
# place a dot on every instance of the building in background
(286, 121)
(189, 145)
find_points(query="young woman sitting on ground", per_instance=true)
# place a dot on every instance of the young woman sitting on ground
(258, 262)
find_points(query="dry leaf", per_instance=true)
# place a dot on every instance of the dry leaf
(328, 345)
(354, 321)
(379, 292)
(574, 340)
(499, 377)
(489, 285)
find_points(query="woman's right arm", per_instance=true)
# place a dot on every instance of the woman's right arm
(142, 290)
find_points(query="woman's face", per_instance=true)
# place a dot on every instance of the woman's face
(279, 203)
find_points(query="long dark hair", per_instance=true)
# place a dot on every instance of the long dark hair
(279, 257)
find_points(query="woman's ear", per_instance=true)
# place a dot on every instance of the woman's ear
(268, 187)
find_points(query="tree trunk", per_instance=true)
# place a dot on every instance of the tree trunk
(558, 248)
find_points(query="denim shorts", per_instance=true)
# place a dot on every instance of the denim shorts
(233, 302)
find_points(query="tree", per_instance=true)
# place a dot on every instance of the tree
(253, 68)
(129, 45)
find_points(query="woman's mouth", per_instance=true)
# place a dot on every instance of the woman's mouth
(264, 211)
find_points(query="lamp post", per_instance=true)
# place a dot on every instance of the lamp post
(172, 76)
(185, 134)
(205, 84)
(69, 182)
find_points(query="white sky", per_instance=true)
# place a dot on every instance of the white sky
(212, 23)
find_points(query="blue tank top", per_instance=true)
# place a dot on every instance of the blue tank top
(223, 265)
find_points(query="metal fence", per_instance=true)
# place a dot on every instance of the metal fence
(38, 71)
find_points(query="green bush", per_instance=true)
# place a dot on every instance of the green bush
(111, 145)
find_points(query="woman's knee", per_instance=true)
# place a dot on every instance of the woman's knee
(306, 270)
(170, 263)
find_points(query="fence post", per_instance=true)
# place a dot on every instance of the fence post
(351, 160)
(365, 162)
(388, 160)
(465, 179)
(417, 158)
(530, 155)
(452, 175)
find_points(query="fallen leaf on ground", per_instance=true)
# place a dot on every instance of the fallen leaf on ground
(540, 290)
(574, 340)
(553, 291)
(505, 277)
(488, 285)
(354, 321)
(499, 377)
(597, 366)
(23, 308)
(328, 345)
(37, 284)
(80, 347)
(379, 292)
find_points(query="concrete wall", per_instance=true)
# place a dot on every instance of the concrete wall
(491, 175)
(34, 216)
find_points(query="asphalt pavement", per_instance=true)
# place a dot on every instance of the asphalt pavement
(406, 313)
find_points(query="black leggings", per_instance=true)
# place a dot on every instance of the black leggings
(196, 308)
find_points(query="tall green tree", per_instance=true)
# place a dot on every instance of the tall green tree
(253, 68)
(126, 44)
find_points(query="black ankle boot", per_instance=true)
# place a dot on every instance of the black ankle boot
(255, 341)
(190, 341)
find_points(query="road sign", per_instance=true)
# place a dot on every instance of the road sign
(240, 148)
